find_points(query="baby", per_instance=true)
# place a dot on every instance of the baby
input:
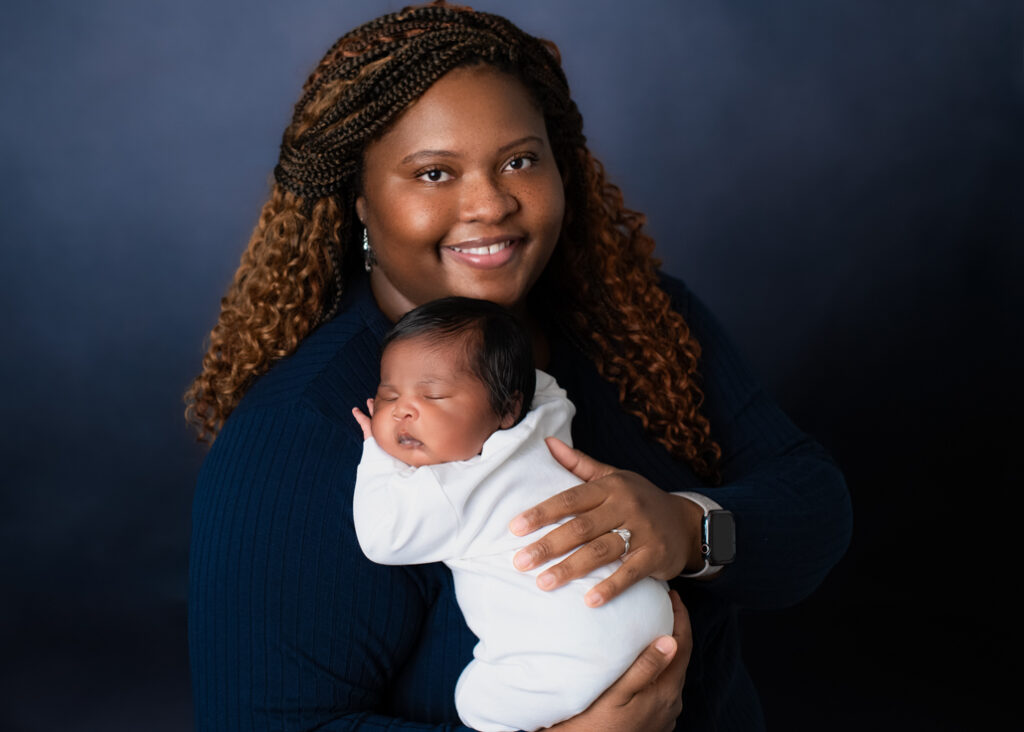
(454, 449)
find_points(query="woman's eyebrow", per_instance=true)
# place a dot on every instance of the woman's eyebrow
(421, 154)
(413, 157)
(521, 141)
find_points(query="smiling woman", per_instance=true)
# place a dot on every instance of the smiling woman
(462, 195)
(433, 152)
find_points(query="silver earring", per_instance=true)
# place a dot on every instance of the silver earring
(368, 258)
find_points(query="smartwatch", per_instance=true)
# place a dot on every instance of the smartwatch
(718, 536)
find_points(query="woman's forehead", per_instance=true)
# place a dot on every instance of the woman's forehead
(468, 106)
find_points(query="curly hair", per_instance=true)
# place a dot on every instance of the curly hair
(601, 281)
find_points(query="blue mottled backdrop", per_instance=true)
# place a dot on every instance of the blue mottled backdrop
(843, 182)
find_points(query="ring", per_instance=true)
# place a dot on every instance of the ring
(626, 535)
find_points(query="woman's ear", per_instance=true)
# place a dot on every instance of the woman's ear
(361, 209)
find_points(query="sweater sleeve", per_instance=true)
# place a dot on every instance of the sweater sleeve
(290, 626)
(789, 498)
(402, 514)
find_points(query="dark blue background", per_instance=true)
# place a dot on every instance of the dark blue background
(843, 182)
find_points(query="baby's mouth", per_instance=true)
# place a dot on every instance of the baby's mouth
(407, 440)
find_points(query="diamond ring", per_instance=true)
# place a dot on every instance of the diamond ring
(626, 535)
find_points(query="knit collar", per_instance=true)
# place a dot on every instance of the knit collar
(358, 299)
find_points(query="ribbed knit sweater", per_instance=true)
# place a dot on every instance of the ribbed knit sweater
(292, 628)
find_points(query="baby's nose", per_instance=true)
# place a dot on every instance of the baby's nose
(403, 409)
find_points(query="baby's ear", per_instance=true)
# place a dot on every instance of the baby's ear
(512, 412)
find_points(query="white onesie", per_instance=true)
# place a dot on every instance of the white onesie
(542, 657)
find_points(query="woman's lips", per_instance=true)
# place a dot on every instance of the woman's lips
(484, 253)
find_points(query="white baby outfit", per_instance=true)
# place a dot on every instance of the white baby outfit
(542, 657)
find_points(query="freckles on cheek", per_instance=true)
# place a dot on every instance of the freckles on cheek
(414, 224)
(550, 200)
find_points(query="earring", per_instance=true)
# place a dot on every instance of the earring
(368, 258)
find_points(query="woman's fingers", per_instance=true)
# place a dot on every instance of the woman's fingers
(589, 525)
(572, 502)
(597, 553)
(633, 569)
(682, 632)
(578, 463)
(661, 668)
(645, 670)
(664, 530)
(668, 686)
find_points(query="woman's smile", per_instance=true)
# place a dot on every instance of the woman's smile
(486, 253)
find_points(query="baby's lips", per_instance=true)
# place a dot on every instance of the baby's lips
(407, 440)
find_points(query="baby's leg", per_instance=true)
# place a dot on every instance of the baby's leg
(514, 696)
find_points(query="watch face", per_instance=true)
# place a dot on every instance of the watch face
(722, 537)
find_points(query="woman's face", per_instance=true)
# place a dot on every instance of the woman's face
(462, 195)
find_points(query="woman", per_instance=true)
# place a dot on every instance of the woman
(437, 152)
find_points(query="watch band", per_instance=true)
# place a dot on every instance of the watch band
(701, 500)
(708, 505)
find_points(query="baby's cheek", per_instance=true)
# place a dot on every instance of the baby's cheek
(377, 426)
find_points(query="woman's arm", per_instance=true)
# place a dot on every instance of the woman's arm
(792, 508)
(290, 626)
(664, 529)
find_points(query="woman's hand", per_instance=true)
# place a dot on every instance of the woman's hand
(665, 529)
(649, 695)
(364, 422)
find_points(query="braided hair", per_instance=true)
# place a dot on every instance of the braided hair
(601, 282)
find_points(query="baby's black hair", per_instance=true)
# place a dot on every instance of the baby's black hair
(499, 351)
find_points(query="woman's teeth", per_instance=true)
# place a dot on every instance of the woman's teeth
(492, 249)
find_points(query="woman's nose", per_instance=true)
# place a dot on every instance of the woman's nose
(485, 199)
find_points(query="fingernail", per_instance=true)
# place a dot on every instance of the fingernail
(546, 581)
(664, 644)
(518, 525)
(521, 560)
(594, 599)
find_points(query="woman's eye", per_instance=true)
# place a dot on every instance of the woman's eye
(434, 175)
(521, 162)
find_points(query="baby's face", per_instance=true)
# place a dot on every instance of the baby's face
(429, 408)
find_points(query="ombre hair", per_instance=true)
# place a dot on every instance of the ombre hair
(599, 290)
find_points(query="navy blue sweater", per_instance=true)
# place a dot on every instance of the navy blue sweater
(292, 628)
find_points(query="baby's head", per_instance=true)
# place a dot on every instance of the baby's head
(452, 372)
